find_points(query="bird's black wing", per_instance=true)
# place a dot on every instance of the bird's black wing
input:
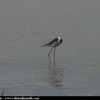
(54, 40)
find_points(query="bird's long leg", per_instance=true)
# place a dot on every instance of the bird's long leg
(50, 52)
(49, 55)
(54, 54)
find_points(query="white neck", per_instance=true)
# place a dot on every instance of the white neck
(59, 38)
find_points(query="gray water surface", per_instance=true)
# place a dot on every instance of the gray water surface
(24, 65)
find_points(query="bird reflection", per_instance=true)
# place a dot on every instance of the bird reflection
(56, 74)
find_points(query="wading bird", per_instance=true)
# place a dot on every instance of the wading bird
(54, 43)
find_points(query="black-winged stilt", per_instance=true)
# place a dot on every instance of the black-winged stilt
(54, 43)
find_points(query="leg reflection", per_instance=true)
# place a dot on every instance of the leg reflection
(56, 74)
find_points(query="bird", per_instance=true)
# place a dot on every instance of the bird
(54, 43)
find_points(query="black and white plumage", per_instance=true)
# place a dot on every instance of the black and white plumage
(54, 43)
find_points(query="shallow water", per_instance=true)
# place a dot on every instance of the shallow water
(51, 79)
(24, 65)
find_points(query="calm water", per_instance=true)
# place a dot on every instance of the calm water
(24, 66)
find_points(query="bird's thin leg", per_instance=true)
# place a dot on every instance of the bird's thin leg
(54, 54)
(49, 55)
(50, 52)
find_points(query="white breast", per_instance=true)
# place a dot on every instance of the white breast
(59, 38)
